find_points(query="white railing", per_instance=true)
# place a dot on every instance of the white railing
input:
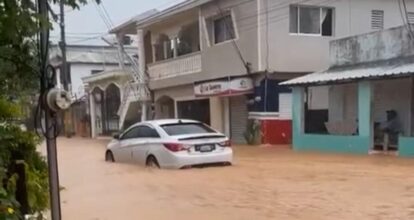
(182, 65)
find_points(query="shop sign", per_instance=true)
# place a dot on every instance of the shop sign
(224, 87)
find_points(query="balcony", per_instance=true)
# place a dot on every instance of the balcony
(182, 65)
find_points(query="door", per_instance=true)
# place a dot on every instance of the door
(238, 119)
(128, 141)
(146, 137)
(194, 109)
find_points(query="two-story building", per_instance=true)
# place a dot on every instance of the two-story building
(84, 61)
(221, 61)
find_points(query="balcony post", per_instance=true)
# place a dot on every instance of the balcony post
(174, 41)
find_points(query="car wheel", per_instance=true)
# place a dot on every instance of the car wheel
(152, 162)
(109, 157)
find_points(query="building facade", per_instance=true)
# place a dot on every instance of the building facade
(84, 61)
(371, 96)
(221, 61)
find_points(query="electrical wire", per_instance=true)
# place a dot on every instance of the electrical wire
(235, 45)
(106, 14)
(407, 19)
(102, 16)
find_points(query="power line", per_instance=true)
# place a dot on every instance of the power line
(407, 18)
(245, 63)
(106, 14)
(102, 16)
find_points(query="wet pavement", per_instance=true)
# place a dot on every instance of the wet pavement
(264, 183)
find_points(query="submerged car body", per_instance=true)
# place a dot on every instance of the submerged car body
(172, 143)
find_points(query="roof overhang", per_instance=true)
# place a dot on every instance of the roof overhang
(104, 75)
(378, 70)
(144, 21)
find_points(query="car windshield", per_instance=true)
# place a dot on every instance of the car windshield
(186, 128)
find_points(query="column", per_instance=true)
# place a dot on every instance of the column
(298, 114)
(120, 46)
(364, 108)
(142, 69)
(92, 114)
(200, 27)
(226, 115)
(216, 113)
(175, 45)
(365, 125)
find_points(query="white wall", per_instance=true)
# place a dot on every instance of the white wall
(78, 71)
(318, 97)
(343, 102)
(298, 53)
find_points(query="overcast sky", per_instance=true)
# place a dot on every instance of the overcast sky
(87, 23)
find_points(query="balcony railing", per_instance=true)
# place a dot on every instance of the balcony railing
(182, 65)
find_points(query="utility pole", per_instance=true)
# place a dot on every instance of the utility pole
(62, 45)
(67, 115)
(50, 115)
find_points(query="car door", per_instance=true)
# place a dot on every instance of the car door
(128, 141)
(146, 136)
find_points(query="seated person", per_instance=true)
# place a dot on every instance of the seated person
(392, 126)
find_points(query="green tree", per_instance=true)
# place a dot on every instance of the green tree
(19, 78)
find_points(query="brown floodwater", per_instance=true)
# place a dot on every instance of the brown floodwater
(264, 183)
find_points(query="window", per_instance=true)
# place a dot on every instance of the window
(410, 17)
(141, 132)
(311, 20)
(96, 71)
(132, 133)
(377, 19)
(186, 128)
(223, 29)
(147, 132)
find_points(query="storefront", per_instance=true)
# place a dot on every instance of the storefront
(228, 95)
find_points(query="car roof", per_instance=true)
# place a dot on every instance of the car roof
(167, 121)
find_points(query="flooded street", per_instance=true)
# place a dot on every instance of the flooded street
(264, 183)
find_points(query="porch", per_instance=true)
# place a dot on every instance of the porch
(355, 118)
(107, 92)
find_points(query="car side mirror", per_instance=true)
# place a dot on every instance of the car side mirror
(117, 136)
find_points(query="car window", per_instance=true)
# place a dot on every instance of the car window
(147, 132)
(132, 133)
(186, 128)
(141, 131)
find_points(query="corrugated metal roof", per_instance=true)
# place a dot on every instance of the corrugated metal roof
(87, 54)
(104, 75)
(366, 71)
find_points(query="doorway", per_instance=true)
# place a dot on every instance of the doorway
(194, 109)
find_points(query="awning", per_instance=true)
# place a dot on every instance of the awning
(383, 69)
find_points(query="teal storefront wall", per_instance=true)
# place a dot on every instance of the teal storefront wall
(332, 143)
(406, 147)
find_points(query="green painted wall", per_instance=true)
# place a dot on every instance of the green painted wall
(332, 143)
(406, 147)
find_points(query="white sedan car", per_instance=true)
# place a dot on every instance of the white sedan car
(172, 143)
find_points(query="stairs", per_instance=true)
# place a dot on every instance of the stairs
(136, 89)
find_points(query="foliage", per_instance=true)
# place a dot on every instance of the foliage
(253, 133)
(8, 204)
(21, 145)
(19, 24)
(19, 78)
